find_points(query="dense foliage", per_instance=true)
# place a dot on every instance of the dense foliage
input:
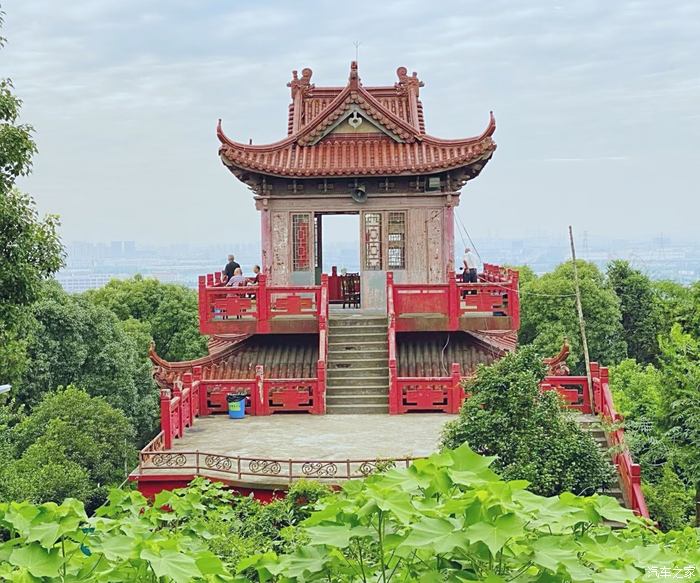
(533, 437)
(71, 445)
(548, 315)
(30, 249)
(447, 518)
(640, 310)
(169, 310)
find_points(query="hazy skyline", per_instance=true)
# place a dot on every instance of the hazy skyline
(596, 105)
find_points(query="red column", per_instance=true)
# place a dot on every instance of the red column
(319, 407)
(165, 421)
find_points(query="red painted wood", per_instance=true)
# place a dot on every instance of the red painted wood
(394, 396)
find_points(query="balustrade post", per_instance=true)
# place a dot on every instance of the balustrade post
(263, 305)
(456, 392)
(202, 389)
(514, 299)
(165, 420)
(187, 382)
(319, 407)
(604, 381)
(203, 300)
(453, 300)
(177, 394)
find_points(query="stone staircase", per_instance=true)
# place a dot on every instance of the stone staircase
(591, 424)
(357, 370)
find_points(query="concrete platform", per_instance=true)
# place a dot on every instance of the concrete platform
(271, 452)
(318, 437)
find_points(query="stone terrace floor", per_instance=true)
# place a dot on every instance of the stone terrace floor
(316, 437)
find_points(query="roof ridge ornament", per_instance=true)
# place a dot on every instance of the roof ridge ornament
(354, 79)
(302, 85)
(407, 84)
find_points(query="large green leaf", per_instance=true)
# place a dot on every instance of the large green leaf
(179, 566)
(439, 534)
(37, 560)
(495, 535)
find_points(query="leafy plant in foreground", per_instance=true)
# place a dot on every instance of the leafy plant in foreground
(450, 518)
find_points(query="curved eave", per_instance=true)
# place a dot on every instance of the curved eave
(479, 153)
(288, 141)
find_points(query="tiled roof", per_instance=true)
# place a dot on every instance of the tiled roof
(393, 141)
(431, 354)
(282, 356)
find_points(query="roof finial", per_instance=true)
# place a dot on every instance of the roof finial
(357, 44)
(354, 76)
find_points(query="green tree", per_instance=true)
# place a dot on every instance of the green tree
(637, 391)
(30, 249)
(76, 342)
(676, 304)
(170, 310)
(640, 309)
(548, 315)
(533, 437)
(680, 358)
(72, 444)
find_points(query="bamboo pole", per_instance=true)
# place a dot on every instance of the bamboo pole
(581, 322)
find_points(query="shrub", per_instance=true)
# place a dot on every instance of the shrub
(533, 437)
(670, 502)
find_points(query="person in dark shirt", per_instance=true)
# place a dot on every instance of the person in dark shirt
(256, 275)
(230, 268)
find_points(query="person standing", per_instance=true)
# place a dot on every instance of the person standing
(230, 268)
(471, 264)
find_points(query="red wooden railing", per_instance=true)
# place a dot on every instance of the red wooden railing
(492, 303)
(391, 338)
(257, 309)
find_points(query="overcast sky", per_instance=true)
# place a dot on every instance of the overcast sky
(597, 105)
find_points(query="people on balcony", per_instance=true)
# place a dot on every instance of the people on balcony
(471, 265)
(255, 280)
(230, 268)
(237, 279)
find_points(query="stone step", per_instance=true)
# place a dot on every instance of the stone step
(341, 390)
(357, 409)
(359, 359)
(352, 383)
(358, 372)
(343, 400)
(356, 343)
(373, 327)
(352, 322)
(343, 355)
(352, 337)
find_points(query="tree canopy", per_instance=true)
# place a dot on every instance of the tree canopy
(507, 415)
(70, 445)
(169, 310)
(548, 315)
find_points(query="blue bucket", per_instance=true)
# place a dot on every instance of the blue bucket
(236, 406)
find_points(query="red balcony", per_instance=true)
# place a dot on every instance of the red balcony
(258, 309)
(491, 304)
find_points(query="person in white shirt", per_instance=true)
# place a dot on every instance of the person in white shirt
(237, 279)
(471, 264)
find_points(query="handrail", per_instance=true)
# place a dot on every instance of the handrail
(208, 463)
(256, 309)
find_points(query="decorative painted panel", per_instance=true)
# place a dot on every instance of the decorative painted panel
(373, 241)
(396, 239)
(301, 242)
